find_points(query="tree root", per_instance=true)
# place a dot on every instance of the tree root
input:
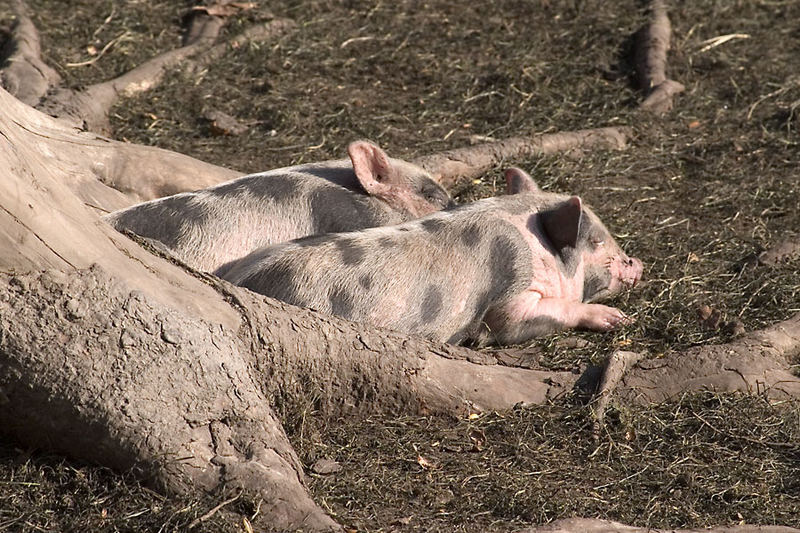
(29, 79)
(25, 75)
(453, 166)
(352, 369)
(756, 363)
(653, 43)
(135, 364)
(105, 174)
(260, 32)
(132, 384)
(616, 367)
(592, 525)
(167, 173)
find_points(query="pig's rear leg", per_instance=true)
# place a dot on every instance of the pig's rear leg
(531, 315)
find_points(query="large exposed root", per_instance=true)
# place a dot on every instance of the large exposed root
(453, 166)
(593, 525)
(756, 363)
(129, 383)
(653, 43)
(24, 74)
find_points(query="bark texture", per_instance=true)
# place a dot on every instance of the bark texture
(105, 174)
(25, 75)
(112, 377)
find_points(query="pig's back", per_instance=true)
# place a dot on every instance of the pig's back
(212, 227)
(435, 277)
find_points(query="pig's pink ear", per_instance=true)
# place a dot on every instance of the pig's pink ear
(372, 167)
(517, 181)
(561, 224)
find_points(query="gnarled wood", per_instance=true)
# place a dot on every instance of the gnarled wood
(140, 173)
(24, 74)
(111, 376)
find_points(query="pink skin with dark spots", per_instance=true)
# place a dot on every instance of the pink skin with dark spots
(557, 297)
(564, 284)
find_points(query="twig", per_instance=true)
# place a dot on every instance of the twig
(774, 444)
(108, 19)
(197, 521)
(352, 40)
(788, 86)
(721, 39)
(619, 481)
(100, 54)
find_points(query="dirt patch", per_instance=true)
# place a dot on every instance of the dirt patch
(701, 461)
(699, 190)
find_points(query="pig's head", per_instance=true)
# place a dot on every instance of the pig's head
(405, 187)
(582, 241)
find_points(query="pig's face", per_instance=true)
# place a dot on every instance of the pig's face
(426, 196)
(405, 187)
(607, 270)
(582, 242)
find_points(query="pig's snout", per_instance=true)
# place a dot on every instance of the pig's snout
(631, 271)
(625, 273)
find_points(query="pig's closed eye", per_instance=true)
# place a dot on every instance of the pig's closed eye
(597, 243)
(435, 199)
(435, 196)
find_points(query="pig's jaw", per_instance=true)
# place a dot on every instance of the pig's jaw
(602, 281)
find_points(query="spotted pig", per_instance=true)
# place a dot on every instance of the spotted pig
(212, 227)
(499, 270)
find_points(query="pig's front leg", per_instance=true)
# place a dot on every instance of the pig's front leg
(531, 315)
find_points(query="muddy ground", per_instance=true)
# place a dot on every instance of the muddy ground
(698, 191)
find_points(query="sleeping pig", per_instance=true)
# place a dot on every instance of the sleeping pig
(499, 270)
(211, 227)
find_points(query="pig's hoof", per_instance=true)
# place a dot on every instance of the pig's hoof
(604, 318)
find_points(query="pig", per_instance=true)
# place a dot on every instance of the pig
(211, 227)
(500, 270)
